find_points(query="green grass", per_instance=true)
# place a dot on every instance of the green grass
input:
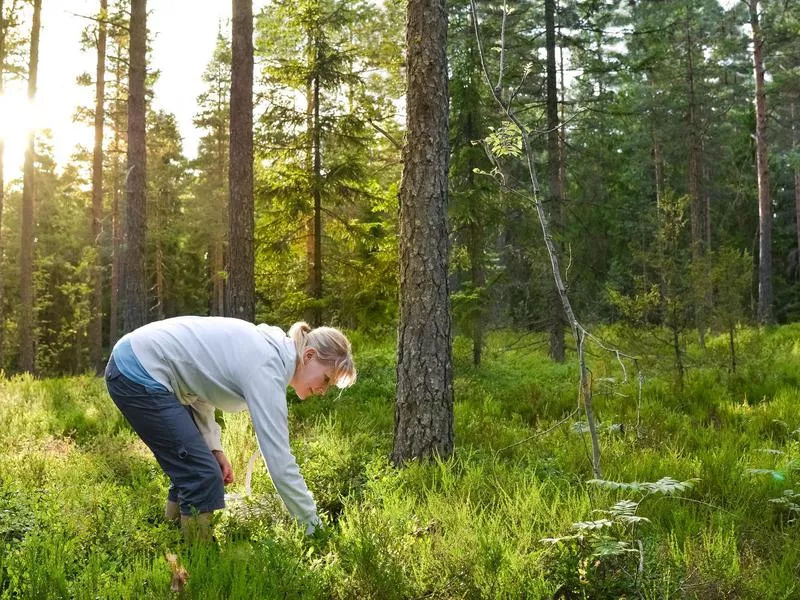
(81, 498)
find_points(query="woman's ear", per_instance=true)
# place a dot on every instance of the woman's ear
(308, 354)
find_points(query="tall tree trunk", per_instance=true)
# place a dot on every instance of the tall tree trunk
(159, 260)
(309, 168)
(220, 225)
(26, 326)
(424, 407)
(476, 244)
(695, 201)
(317, 179)
(117, 228)
(116, 254)
(553, 175)
(314, 168)
(765, 315)
(795, 148)
(240, 292)
(3, 28)
(96, 323)
(135, 290)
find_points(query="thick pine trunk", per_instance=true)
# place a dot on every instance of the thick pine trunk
(765, 315)
(240, 289)
(96, 324)
(553, 176)
(26, 326)
(135, 306)
(424, 406)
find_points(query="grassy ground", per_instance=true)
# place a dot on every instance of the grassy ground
(81, 499)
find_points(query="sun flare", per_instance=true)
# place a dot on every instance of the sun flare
(19, 118)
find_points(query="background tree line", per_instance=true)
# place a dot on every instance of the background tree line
(647, 133)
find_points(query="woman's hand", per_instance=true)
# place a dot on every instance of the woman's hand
(225, 465)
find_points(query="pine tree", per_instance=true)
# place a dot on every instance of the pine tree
(135, 310)
(424, 405)
(240, 291)
(26, 325)
(211, 189)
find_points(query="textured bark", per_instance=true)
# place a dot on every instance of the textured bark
(765, 315)
(424, 407)
(555, 193)
(133, 276)
(26, 325)
(240, 292)
(96, 324)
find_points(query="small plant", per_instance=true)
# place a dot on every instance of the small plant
(789, 503)
(602, 546)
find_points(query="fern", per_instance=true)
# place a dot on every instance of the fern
(666, 485)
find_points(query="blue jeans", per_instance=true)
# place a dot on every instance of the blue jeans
(169, 430)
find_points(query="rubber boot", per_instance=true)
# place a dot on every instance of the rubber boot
(197, 528)
(172, 512)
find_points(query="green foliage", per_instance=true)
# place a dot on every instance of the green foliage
(468, 526)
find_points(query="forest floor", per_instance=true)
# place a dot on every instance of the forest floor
(696, 499)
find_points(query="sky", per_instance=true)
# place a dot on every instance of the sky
(183, 34)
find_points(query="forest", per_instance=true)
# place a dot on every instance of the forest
(565, 233)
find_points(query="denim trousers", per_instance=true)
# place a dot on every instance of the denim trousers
(167, 427)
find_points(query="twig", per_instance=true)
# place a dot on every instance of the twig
(539, 433)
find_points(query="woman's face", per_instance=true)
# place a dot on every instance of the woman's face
(311, 377)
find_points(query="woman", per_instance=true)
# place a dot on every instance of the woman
(169, 376)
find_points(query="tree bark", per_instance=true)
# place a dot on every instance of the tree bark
(26, 324)
(765, 315)
(135, 290)
(240, 292)
(424, 406)
(96, 323)
(553, 175)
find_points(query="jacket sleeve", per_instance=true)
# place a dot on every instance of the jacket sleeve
(203, 412)
(265, 395)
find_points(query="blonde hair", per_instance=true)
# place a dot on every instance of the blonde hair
(331, 346)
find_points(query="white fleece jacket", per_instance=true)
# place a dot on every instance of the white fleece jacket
(219, 362)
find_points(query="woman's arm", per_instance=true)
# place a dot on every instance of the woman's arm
(266, 398)
(203, 412)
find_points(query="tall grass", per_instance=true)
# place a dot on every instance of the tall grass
(81, 498)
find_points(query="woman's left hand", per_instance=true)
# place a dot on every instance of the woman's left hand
(225, 465)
